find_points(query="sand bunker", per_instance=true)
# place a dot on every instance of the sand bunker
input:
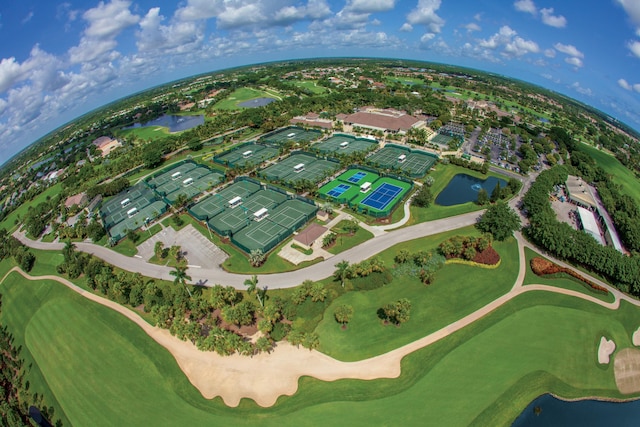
(627, 370)
(636, 337)
(606, 348)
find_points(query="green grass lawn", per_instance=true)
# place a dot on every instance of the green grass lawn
(147, 133)
(346, 241)
(564, 281)
(457, 291)
(9, 222)
(241, 95)
(113, 374)
(621, 175)
(311, 86)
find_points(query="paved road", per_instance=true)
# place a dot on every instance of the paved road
(212, 275)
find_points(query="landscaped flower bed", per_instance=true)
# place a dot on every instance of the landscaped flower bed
(544, 267)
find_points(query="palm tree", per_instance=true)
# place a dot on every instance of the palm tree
(252, 286)
(342, 271)
(181, 277)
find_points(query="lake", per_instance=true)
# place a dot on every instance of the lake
(554, 412)
(173, 122)
(464, 188)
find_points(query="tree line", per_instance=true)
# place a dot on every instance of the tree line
(567, 243)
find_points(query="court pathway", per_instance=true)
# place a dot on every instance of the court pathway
(211, 275)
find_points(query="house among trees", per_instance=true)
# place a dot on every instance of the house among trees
(79, 200)
(307, 237)
(106, 144)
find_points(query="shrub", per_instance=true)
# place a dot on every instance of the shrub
(372, 281)
(279, 331)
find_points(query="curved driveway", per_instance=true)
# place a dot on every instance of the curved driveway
(214, 274)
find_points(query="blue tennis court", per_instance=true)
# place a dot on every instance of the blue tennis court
(357, 177)
(381, 196)
(337, 191)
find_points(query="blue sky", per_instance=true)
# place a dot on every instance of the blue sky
(59, 59)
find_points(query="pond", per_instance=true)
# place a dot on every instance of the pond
(173, 122)
(464, 188)
(256, 102)
(549, 411)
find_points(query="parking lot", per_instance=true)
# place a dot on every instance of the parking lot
(197, 249)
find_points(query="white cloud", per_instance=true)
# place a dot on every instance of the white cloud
(636, 87)
(632, 8)
(406, 27)
(10, 71)
(92, 49)
(196, 10)
(425, 14)
(550, 53)
(634, 47)
(624, 84)
(477, 17)
(178, 37)
(27, 18)
(519, 47)
(108, 20)
(370, 6)
(472, 26)
(575, 61)
(525, 6)
(502, 37)
(427, 37)
(264, 13)
(568, 49)
(583, 90)
(558, 21)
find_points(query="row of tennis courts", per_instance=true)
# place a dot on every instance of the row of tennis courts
(414, 163)
(131, 209)
(290, 134)
(247, 154)
(187, 179)
(300, 167)
(343, 144)
(253, 216)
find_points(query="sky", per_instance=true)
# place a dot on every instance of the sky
(60, 59)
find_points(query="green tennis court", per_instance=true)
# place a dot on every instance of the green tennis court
(342, 145)
(173, 173)
(130, 209)
(388, 157)
(284, 168)
(441, 139)
(418, 163)
(384, 195)
(214, 204)
(233, 219)
(282, 221)
(251, 153)
(148, 213)
(290, 133)
(116, 208)
(314, 172)
(347, 186)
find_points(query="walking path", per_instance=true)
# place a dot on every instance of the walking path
(265, 377)
(210, 275)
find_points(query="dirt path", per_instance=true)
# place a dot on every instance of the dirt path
(265, 377)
